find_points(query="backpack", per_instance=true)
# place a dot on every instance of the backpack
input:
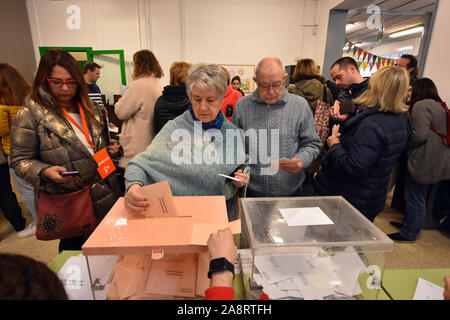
(445, 138)
(322, 118)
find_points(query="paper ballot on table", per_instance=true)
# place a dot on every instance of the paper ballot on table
(426, 290)
(74, 276)
(312, 216)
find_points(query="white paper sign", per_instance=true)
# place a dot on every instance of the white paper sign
(75, 278)
(305, 217)
(426, 290)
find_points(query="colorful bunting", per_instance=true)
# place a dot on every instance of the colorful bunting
(365, 53)
(350, 45)
(372, 60)
(359, 52)
(375, 58)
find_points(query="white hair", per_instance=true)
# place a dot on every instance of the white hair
(205, 75)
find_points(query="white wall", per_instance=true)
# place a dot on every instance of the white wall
(227, 32)
(437, 67)
(323, 13)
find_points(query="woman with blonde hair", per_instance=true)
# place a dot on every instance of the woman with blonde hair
(174, 100)
(360, 159)
(136, 107)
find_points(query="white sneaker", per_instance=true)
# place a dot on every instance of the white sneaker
(29, 231)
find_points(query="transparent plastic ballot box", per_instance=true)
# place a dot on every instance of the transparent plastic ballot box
(311, 248)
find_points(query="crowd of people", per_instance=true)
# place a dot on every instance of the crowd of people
(55, 136)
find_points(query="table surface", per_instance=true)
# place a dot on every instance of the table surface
(401, 283)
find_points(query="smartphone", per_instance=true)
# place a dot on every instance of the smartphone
(69, 173)
(346, 107)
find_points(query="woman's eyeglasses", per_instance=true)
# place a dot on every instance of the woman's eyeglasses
(59, 83)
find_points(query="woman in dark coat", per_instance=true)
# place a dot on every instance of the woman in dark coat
(174, 100)
(360, 159)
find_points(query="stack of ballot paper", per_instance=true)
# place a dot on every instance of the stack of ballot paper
(175, 276)
(309, 276)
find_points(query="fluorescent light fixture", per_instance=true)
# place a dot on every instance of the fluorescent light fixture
(406, 32)
(345, 48)
(349, 26)
(405, 48)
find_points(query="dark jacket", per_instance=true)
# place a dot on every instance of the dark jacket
(348, 94)
(353, 91)
(359, 167)
(313, 91)
(172, 103)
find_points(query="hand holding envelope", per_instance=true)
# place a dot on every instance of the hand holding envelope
(152, 201)
(136, 201)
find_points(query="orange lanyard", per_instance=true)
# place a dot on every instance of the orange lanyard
(84, 130)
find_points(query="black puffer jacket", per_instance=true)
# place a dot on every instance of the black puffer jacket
(173, 102)
(359, 167)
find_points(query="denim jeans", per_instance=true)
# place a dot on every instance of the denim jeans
(416, 199)
(26, 190)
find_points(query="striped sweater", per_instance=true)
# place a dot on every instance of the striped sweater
(292, 119)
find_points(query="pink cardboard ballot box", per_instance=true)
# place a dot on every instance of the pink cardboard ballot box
(129, 257)
(199, 216)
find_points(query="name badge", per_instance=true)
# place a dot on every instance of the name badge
(105, 164)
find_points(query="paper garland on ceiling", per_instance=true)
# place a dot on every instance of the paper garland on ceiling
(372, 60)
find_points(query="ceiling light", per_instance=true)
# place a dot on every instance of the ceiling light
(405, 48)
(349, 26)
(406, 32)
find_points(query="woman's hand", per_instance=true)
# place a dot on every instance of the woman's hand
(335, 112)
(52, 173)
(241, 176)
(113, 148)
(221, 245)
(136, 202)
(334, 138)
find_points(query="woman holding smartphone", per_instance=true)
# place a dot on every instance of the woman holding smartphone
(361, 155)
(60, 130)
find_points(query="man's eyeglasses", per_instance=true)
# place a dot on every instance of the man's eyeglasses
(59, 83)
(275, 86)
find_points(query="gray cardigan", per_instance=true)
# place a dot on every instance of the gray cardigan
(291, 116)
(428, 157)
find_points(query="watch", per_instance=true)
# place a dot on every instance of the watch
(218, 265)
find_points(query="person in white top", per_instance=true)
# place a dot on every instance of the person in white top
(136, 107)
